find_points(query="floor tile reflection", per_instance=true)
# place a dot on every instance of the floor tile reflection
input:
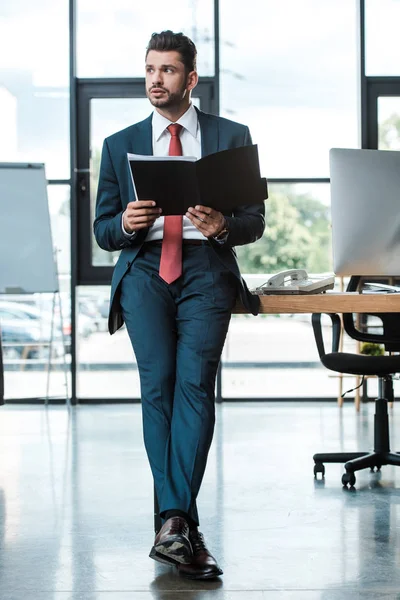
(76, 507)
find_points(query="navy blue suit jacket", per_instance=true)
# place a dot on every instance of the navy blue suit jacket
(246, 224)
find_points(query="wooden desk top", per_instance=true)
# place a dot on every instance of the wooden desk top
(339, 302)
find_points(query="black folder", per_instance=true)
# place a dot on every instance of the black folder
(222, 181)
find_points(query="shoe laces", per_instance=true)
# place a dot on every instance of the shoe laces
(197, 541)
(178, 525)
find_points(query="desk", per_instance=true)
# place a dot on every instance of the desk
(329, 302)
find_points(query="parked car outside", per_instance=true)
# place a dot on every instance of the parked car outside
(26, 332)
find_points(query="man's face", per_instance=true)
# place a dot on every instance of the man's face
(167, 84)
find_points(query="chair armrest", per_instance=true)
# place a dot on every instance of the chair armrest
(336, 330)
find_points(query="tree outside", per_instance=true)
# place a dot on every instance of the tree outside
(389, 133)
(297, 235)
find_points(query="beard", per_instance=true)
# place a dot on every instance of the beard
(169, 100)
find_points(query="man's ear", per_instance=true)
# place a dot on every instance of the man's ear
(192, 80)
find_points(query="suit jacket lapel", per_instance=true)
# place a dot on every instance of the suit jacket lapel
(209, 134)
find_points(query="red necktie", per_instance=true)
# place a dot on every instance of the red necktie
(171, 250)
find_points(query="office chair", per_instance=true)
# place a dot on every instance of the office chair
(384, 367)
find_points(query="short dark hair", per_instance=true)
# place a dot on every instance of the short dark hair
(168, 40)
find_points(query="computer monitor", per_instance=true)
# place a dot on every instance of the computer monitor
(365, 204)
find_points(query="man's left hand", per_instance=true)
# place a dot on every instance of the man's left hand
(208, 221)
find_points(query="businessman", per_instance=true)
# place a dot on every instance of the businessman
(174, 285)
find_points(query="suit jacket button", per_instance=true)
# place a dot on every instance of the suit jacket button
(128, 263)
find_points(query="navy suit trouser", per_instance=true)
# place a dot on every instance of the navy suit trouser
(177, 333)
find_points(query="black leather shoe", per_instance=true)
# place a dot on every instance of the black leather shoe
(203, 565)
(172, 545)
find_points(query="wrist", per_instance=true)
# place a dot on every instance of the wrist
(223, 232)
(126, 227)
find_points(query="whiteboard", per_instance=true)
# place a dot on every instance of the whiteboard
(27, 263)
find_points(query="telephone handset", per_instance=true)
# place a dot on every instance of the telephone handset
(287, 278)
(295, 281)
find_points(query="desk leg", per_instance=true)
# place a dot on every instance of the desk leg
(357, 397)
(340, 398)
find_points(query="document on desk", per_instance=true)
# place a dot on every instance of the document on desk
(223, 180)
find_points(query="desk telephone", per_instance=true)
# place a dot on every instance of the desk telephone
(295, 281)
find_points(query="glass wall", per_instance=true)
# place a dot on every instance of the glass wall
(288, 69)
(296, 87)
(34, 84)
(382, 50)
(112, 37)
(34, 125)
(106, 364)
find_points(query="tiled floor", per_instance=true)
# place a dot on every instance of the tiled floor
(76, 507)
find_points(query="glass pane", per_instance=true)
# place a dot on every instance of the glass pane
(298, 235)
(275, 356)
(108, 115)
(26, 322)
(298, 232)
(382, 51)
(106, 364)
(112, 37)
(34, 84)
(389, 123)
(294, 85)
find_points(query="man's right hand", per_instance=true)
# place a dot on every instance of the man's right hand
(139, 215)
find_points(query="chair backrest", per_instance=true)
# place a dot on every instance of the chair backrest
(379, 328)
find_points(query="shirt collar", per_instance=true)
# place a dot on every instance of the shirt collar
(188, 120)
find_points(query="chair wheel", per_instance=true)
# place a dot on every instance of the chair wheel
(348, 479)
(319, 468)
(377, 469)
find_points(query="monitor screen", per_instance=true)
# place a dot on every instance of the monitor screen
(365, 204)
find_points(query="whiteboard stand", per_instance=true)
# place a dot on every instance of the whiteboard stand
(53, 307)
(67, 396)
(57, 296)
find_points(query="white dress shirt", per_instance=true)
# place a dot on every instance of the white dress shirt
(190, 137)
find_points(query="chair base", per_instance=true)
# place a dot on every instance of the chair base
(355, 461)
